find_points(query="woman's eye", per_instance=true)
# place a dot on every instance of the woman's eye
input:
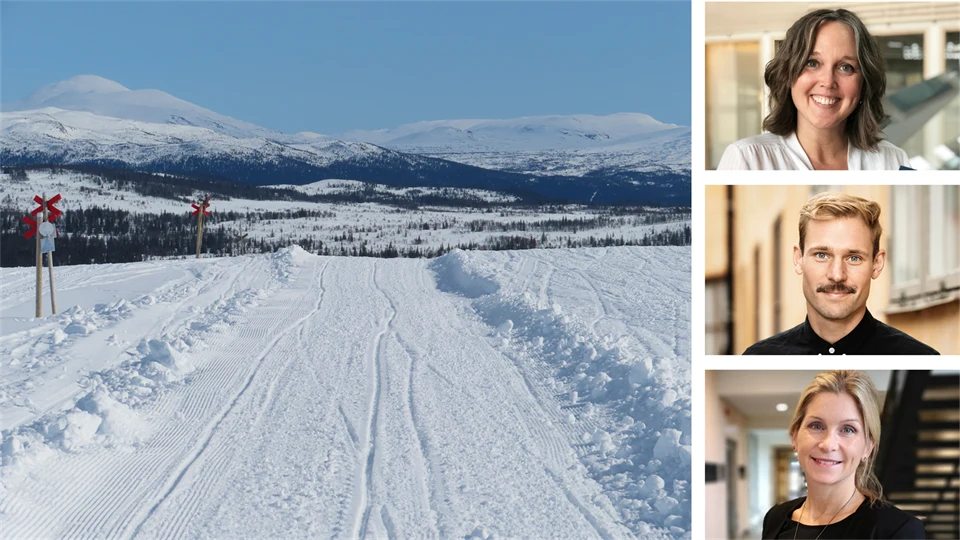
(816, 425)
(812, 63)
(849, 430)
(848, 68)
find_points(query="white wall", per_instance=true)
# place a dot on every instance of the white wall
(760, 471)
(715, 493)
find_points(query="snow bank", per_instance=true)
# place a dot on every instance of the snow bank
(287, 261)
(634, 406)
(163, 362)
(457, 273)
(106, 411)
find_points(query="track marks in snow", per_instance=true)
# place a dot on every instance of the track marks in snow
(601, 531)
(349, 425)
(368, 441)
(211, 431)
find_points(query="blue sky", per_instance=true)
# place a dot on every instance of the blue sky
(330, 67)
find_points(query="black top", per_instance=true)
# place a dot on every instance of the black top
(880, 520)
(869, 337)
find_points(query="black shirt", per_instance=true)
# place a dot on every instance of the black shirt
(869, 337)
(880, 520)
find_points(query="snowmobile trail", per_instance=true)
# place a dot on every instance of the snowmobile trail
(297, 396)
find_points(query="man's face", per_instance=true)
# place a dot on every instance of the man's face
(837, 265)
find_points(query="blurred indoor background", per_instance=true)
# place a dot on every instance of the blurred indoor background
(920, 42)
(750, 465)
(752, 291)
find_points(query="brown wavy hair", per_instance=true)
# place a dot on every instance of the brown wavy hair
(863, 125)
(859, 386)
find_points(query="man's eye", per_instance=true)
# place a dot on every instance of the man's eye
(820, 256)
(856, 259)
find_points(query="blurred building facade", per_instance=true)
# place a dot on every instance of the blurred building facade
(920, 41)
(752, 291)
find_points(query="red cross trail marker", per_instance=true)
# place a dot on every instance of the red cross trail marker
(54, 211)
(47, 231)
(33, 227)
(200, 211)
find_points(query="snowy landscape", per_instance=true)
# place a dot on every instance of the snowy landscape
(626, 158)
(448, 329)
(370, 219)
(537, 394)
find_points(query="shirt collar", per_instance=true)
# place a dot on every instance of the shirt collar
(853, 153)
(851, 343)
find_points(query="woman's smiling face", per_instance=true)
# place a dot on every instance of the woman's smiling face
(827, 91)
(831, 441)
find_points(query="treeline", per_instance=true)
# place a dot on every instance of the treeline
(101, 235)
(184, 189)
(574, 224)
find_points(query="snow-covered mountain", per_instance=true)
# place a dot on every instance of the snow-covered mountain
(73, 136)
(575, 132)
(574, 145)
(103, 97)
(89, 120)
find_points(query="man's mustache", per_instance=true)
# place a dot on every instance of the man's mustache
(836, 288)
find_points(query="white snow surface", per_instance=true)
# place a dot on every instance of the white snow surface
(535, 394)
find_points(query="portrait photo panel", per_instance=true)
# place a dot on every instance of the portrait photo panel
(859, 86)
(876, 272)
(887, 440)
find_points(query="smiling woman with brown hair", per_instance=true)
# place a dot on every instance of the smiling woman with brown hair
(835, 432)
(826, 84)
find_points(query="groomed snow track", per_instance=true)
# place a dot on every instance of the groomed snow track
(296, 396)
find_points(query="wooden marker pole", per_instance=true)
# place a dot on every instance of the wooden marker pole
(40, 263)
(203, 206)
(53, 294)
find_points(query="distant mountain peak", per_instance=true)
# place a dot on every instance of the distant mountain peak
(81, 84)
(526, 133)
(100, 96)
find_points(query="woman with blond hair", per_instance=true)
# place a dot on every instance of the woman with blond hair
(835, 432)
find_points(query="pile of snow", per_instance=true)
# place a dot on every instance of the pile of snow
(287, 261)
(457, 273)
(162, 362)
(628, 411)
(107, 413)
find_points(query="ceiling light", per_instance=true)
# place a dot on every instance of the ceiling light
(782, 407)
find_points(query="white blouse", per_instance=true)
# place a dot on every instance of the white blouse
(771, 152)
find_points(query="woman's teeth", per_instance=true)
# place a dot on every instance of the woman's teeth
(824, 100)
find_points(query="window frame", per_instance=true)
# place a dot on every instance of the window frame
(928, 290)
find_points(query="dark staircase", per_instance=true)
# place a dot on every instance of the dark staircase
(918, 461)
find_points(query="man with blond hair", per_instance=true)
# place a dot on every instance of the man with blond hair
(838, 256)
